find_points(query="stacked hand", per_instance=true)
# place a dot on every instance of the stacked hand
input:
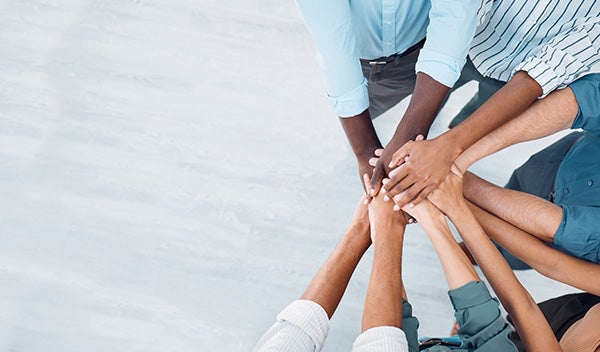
(420, 166)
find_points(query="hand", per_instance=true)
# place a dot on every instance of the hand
(383, 219)
(364, 168)
(376, 160)
(361, 213)
(379, 162)
(424, 212)
(420, 167)
(448, 196)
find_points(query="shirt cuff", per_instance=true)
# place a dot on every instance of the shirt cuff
(469, 295)
(308, 316)
(541, 72)
(381, 339)
(443, 68)
(352, 103)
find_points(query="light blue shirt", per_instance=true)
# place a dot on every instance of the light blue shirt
(346, 30)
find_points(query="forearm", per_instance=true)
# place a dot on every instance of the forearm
(383, 304)
(529, 320)
(422, 110)
(456, 265)
(329, 284)
(361, 134)
(544, 259)
(530, 213)
(510, 101)
(554, 113)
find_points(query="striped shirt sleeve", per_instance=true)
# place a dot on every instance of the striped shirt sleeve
(566, 57)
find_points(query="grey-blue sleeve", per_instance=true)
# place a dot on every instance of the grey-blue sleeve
(482, 328)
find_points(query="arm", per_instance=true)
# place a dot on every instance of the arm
(449, 34)
(525, 211)
(383, 305)
(364, 141)
(546, 116)
(304, 324)
(423, 107)
(482, 327)
(429, 161)
(329, 283)
(385, 312)
(529, 320)
(457, 267)
(546, 260)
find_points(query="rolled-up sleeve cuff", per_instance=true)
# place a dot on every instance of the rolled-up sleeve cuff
(308, 316)
(541, 72)
(577, 234)
(381, 339)
(443, 68)
(351, 103)
(469, 295)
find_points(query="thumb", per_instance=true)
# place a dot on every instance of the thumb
(376, 179)
(456, 170)
(399, 155)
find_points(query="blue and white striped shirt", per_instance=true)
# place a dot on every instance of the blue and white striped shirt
(554, 41)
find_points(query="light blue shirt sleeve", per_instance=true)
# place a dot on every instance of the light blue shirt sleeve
(330, 23)
(451, 28)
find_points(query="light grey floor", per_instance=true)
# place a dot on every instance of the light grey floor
(171, 176)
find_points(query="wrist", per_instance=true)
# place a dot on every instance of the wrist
(434, 221)
(366, 152)
(459, 212)
(452, 143)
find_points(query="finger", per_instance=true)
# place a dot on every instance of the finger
(401, 185)
(456, 170)
(386, 197)
(400, 154)
(395, 176)
(376, 180)
(397, 198)
(373, 161)
(378, 152)
(411, 194)
(367, 183)
(422, 195)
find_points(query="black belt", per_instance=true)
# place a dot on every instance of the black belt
(387, 59)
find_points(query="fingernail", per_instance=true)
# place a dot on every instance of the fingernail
(386, 198)
(397, 197)
(411, 220)
(396, 207)
(385, 181)
(411, 205)
(372, 192)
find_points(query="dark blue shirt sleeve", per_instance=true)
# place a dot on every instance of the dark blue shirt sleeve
(587, 93)
(579, 232)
